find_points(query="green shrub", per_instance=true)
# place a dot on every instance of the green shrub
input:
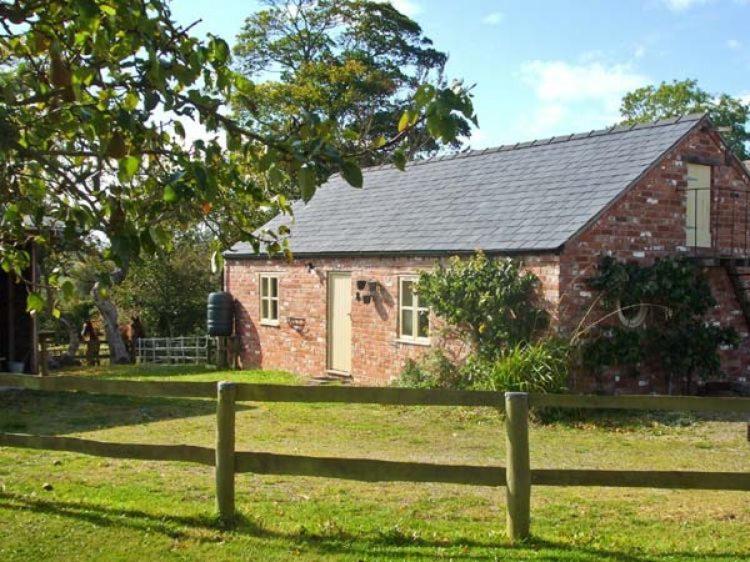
(492, 303)
(537, 367)
(434, 370)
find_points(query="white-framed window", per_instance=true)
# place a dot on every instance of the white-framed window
(269, 299)
(414, 312)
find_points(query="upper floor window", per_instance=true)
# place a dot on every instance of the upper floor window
(269, 299)
(414, 317)
(698, 209)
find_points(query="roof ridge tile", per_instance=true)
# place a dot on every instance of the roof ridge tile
(612, 130)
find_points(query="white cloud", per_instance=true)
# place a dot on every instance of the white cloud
(594, 81)
(682, 5)
(407, 7)
(587, 94)
(640, 52)
(494, 18)
(733, 44)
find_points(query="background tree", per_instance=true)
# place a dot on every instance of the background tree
(671, 99)
(169, 291)
(92, 147)
(355, 62)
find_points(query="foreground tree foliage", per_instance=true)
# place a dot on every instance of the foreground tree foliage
(92, 142)
(672, 99)
(357, 62)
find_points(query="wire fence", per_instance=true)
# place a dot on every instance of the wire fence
(181, 350)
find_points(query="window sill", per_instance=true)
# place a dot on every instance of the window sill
(270, 323)
(423, 343)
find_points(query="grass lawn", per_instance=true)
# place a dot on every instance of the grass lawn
(107, 509)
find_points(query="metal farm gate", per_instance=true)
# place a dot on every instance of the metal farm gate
(174, 351)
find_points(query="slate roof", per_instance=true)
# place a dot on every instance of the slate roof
(527, 197)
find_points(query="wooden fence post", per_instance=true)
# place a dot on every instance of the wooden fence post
(221, 353)
(225, 396)
(518, 469)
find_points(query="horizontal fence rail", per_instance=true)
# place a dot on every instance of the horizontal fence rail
(368, 395)
(368, 470)
(517, 477)
(637, 402)
(174, 389)
(185, 453)
(252, 392)
(669, 479)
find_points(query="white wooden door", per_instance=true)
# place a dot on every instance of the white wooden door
(339, 322)
(698, 210)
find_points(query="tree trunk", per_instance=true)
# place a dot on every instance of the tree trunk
(117, 351)
(689, 384)
(74, 338)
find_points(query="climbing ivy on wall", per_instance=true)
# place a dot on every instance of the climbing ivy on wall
(675, 334)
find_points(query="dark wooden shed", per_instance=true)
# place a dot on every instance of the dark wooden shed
(18, 329)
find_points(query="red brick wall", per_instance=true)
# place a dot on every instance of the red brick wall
(377, 354)
(648, 222)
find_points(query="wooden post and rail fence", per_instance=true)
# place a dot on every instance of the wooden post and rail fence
(517, 476)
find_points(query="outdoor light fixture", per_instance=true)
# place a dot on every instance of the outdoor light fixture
(310, 267)
(371, 286)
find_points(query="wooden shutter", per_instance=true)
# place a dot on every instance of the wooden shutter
(698, 209)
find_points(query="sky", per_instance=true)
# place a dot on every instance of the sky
(543, 68)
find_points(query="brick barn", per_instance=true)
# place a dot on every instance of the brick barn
(344, 304)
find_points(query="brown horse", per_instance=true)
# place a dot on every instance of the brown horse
(131, 333)
(93, 344)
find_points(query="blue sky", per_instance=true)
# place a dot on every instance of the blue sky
(552, 67)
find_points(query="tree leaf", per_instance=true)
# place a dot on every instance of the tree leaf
(170, 194)
(351, 173)
(34, 303)
(131, 101)
(403, 123)
(306, 180)
(399, 159)
(127, 168)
